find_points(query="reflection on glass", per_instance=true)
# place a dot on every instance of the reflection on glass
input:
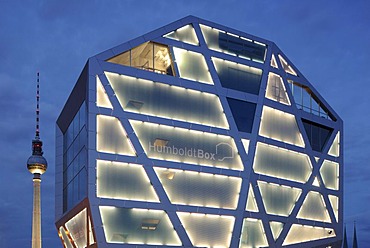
(307, 101)
(233, 44)
(276, 89)
(243, 113)
(237, 76)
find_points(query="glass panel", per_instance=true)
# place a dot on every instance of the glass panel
(281, 163)
(200, 189)
(243, 113)
(185, 34)
(307, 101)
(187, 146)
(208, 230)
(276, 228)
(334, 201)
(316, 182)
(313, 208)
(251, 201)
(317, 134)
(102, 99)
(233, 44)
(111, 137)
(65, 238)
(138, 226)
(278, 125)
(330, 174)
(278, 199)
(77, 228)
(148, 56)
(123, 181)
(157, 99)
(91, 234)
(246, 145)
(334, 149)
(237, 76)
(286, 66)
(192, 66)
(276, 89)
(273, 62)
(253, 234)
(300, 234)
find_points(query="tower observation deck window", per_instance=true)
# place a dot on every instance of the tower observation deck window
(148, 56)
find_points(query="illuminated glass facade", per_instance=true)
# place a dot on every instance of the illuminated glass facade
(197, 135)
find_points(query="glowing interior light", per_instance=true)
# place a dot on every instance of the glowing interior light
(300, 233)
(276, 228)
(102, 99)
(192, 66)
(316, 182)
(334, 148)
(200, 189)
(273, 61)
(334, 201)
(188, 146)
(123, 181)
(251, 201)
(286, 66)
(246, 145)
(163, 100)
(282, 163)
(278, 125)
(133, 226)
(76, 226)
(313, 208)
(276, 89)
(330, 174)
(207, 230)
(185, 34)
(65, 238)
(253, 234)
(278, 200)
(111, 136)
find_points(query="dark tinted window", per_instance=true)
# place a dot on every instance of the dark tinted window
(241, 47)
(243, 113)
(317, 134)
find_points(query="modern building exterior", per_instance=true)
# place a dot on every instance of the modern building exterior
(197, 135)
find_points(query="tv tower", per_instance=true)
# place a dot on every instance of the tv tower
(37, 165)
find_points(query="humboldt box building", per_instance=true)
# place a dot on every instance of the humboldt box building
(197, 135)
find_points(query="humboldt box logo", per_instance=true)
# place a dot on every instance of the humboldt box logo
(220, 152)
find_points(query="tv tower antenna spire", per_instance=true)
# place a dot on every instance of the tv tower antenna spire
(37, 165)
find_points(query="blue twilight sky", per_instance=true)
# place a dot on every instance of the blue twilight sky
(329, 42)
